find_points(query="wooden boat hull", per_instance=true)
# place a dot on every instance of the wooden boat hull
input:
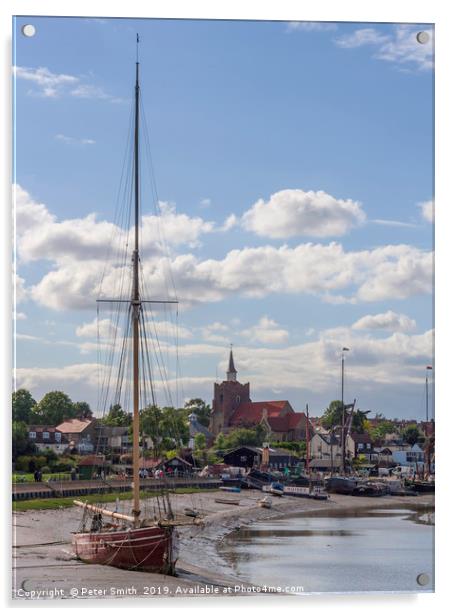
(144, 549)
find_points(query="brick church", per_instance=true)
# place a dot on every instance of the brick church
(232, 408)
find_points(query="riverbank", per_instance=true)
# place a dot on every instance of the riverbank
(45, 568)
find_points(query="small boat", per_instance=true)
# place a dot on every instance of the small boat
(191, 513)
(370, 488)
(235, 489)
(303, 492)
(397, 488)
(421, 485)
(341, 485)
(265, 502)
(227, 501)
(275, 488)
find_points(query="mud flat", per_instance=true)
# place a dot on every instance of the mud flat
(45, 568)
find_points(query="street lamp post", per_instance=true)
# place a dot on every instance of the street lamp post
(343, 440)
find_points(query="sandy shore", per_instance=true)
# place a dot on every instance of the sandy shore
(45, 568)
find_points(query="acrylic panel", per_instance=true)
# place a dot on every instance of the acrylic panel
(223, 326)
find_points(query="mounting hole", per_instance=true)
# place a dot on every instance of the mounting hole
(28, 30)
(422, 579)
(422, 37)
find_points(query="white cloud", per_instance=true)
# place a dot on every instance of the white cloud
(205, 203)
(19, 316)
(427, 210)
(390, 272)
(104, 327)
(328, 271)
(395, 361)
(214, 332)
(21, 292)
(74, 140)
(294, 212)
(389, 321)
(230, 222)
(399, 46)
(310, 26)
(40, 236)
(360, 37)
(54, 85)
(393, 223)
(267, 331)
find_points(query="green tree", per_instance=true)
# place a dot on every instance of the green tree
(53, 408)
(333, 416)
(382, 429)
(20, 442)
(117, 417)
(200, 441)
(150, 421)
(23, 403)
(220, 442)
(201, 410)
(245, 436)
(82, 410)
(411, 434)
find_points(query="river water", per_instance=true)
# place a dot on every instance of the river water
(378, 550)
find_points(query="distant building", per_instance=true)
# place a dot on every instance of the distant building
(48, 437)
(248, 457)
(233, 408)
(80, 433)
(325, 446)
(195, 427)
(409, 456)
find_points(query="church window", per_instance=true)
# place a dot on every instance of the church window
(238, 399)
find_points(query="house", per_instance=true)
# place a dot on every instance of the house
(80, 433)
(325, 446)
(408, 456)
(195, 427)
(249, 457)
(93, 466)
(113, 439)
(233, 408)
(48, 437)
(176, 466)
(326, 465)
(359, 444)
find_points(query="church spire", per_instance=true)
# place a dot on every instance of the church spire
(232, 372)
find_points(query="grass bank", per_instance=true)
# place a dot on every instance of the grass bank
(57, 503)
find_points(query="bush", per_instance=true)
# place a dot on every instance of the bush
(45, 469)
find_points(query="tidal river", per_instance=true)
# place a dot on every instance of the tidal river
(374, 550)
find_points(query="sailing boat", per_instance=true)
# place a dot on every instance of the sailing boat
(130, 541)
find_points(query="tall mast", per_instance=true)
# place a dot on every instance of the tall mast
(136, 309)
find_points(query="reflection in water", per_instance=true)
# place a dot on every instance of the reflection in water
(330, 551)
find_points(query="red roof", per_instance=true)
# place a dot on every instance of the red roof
(92, 460)
(74, 425)
(252, 412)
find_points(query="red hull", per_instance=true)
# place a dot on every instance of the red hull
(144, 549)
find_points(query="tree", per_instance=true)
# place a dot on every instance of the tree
(245, 436)
(23, 402)
(333, 416)
(117, 417)
(54, 408)
(200, 441)
(21, 444)
(411, 434)
(82, 410)
(201, 410)
(382, 429)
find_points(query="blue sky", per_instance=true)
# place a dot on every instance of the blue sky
(294, 164)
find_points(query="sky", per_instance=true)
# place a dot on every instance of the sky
(294, 171)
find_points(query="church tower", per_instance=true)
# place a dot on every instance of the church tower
(228, 395)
